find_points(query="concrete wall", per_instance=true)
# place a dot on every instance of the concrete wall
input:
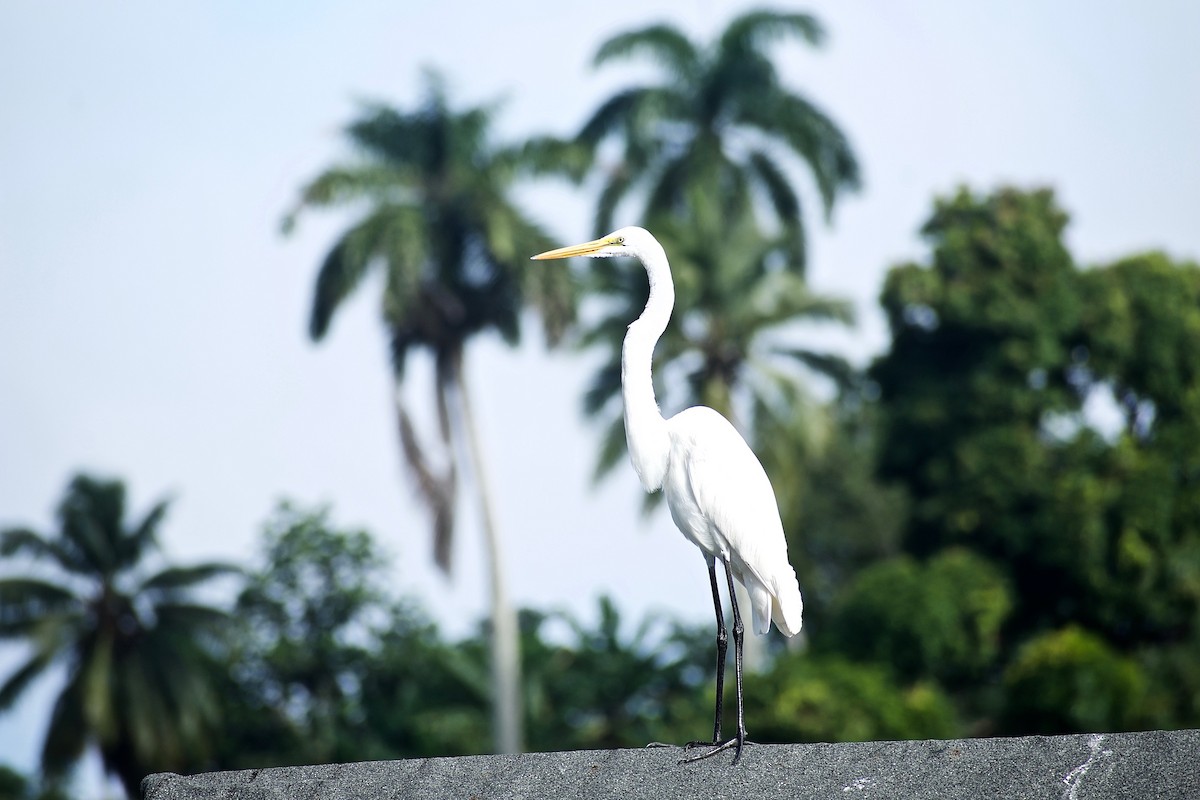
(1134, 766)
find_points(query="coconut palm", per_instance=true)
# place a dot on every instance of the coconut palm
(439, 223)
(134, 643)
(722, 120)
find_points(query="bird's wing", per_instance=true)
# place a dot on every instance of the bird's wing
(735, 497)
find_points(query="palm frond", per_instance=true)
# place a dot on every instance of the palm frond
(812, 135)
(756, 29)
(97, 669)
(143, 538)
(68, 732)
(24, 541)
(553, 291)
(613, 115)
(662, 43)
(831, 366)
(784, 200)
(189, 619)
(670, 186)
(175, 579)
(547, 156)
(388, 232)
(612, 447)
(604, 387)
(784, 297)
(91, 518)
(620, 180)
(338, 185)
(16, 683)
(26, 601)
(388, 136)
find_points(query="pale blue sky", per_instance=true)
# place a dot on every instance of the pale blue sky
(152, 317)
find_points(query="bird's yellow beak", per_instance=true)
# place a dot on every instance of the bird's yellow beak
(585, 249)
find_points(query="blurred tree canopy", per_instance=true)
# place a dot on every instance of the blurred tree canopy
(1041, 420)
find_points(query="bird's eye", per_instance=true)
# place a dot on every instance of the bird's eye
(620, 240)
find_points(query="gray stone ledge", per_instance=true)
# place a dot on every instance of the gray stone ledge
(1140, 766)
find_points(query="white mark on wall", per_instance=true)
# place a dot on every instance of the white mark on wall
(858, 785)
(1074, 778)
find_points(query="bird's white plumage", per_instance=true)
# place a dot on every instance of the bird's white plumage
(716, 489)
(722, 501)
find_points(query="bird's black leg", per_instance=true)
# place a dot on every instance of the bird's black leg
(722, 648)
(738, 636)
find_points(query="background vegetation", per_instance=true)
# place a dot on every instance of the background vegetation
(996, 523)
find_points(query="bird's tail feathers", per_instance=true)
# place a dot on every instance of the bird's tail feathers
(787, 605)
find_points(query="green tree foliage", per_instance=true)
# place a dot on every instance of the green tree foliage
(136, 644)
(940, 619)
(601, 689)
(814, 698)
(1002, 351)
(305, 619)
(980, 340)
(838, 516)
(1069, 680)
(425, 696)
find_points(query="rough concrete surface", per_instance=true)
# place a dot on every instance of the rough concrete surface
(1154, 764)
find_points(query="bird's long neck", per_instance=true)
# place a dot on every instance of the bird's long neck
(645, 428)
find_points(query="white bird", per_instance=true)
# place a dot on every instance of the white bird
(716, 488)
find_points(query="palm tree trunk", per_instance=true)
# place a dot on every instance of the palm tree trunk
(506, 664)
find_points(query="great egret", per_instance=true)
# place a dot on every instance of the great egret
(716, 489)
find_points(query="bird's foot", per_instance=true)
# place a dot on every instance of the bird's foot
(736, 743)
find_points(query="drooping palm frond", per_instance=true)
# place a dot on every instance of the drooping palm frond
(437, 491)
(67, 733)
(392, 234)
(812, 135)
(786, 203)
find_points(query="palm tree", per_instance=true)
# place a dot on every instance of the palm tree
(721, 120)
(135, 645)
(440, 224)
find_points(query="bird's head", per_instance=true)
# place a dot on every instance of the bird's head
(632, 241)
